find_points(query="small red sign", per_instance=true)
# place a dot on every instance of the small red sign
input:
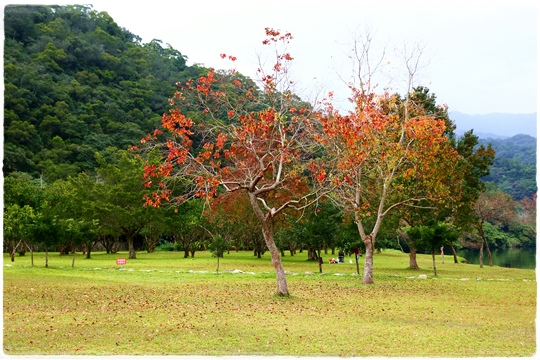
(121, 261)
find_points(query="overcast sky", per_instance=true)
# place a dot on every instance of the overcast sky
(480, 56)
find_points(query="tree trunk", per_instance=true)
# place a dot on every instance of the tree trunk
(442, 254)
(481, 259)
(14, 250)
(267, 222)
(46, 257)
(88, 249)
(453, 252)
(268, 233)
(490, 260)
(412, 258)
(368, 261)
(73, 259)
(312, 254)
(483, 239)
(31, 254)
(434, 264)
(132, 254)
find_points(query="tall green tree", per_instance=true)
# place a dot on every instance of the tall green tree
(46, 230)
(120, 190)
(17, 223)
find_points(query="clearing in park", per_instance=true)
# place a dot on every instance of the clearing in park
(162, 304)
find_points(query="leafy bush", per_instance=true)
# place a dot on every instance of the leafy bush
(168, 246)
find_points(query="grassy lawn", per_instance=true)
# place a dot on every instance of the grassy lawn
(163, 304)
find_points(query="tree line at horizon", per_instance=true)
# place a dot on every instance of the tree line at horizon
(80, 91)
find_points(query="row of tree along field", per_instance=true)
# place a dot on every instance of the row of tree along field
(242, 163)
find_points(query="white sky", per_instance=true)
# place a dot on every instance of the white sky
(481, 55)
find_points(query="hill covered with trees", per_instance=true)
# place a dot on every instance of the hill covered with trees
(514, 168)
(77, 83)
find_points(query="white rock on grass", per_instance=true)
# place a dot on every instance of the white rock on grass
(423, 276)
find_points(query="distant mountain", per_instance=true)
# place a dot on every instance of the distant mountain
(496, 125)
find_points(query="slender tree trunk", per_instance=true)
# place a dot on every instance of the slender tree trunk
(268, 233)
(31, 254)
(434, 263)
(14, 250)
(73, 259)
(490, 260)
(399, 244)
(483, 239)
(412, 258)
(368, 261)
(46, 257)
(267, 222)
(453, 252)
(481, 260)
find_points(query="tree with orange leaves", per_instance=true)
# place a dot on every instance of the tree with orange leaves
(388, 152)
(384, 160)
(252, 139)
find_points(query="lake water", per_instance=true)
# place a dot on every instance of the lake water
(524, 258)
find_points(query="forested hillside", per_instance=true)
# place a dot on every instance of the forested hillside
(514, 168)
(77, 83)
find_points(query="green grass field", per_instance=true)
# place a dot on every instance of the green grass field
(163, 304)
